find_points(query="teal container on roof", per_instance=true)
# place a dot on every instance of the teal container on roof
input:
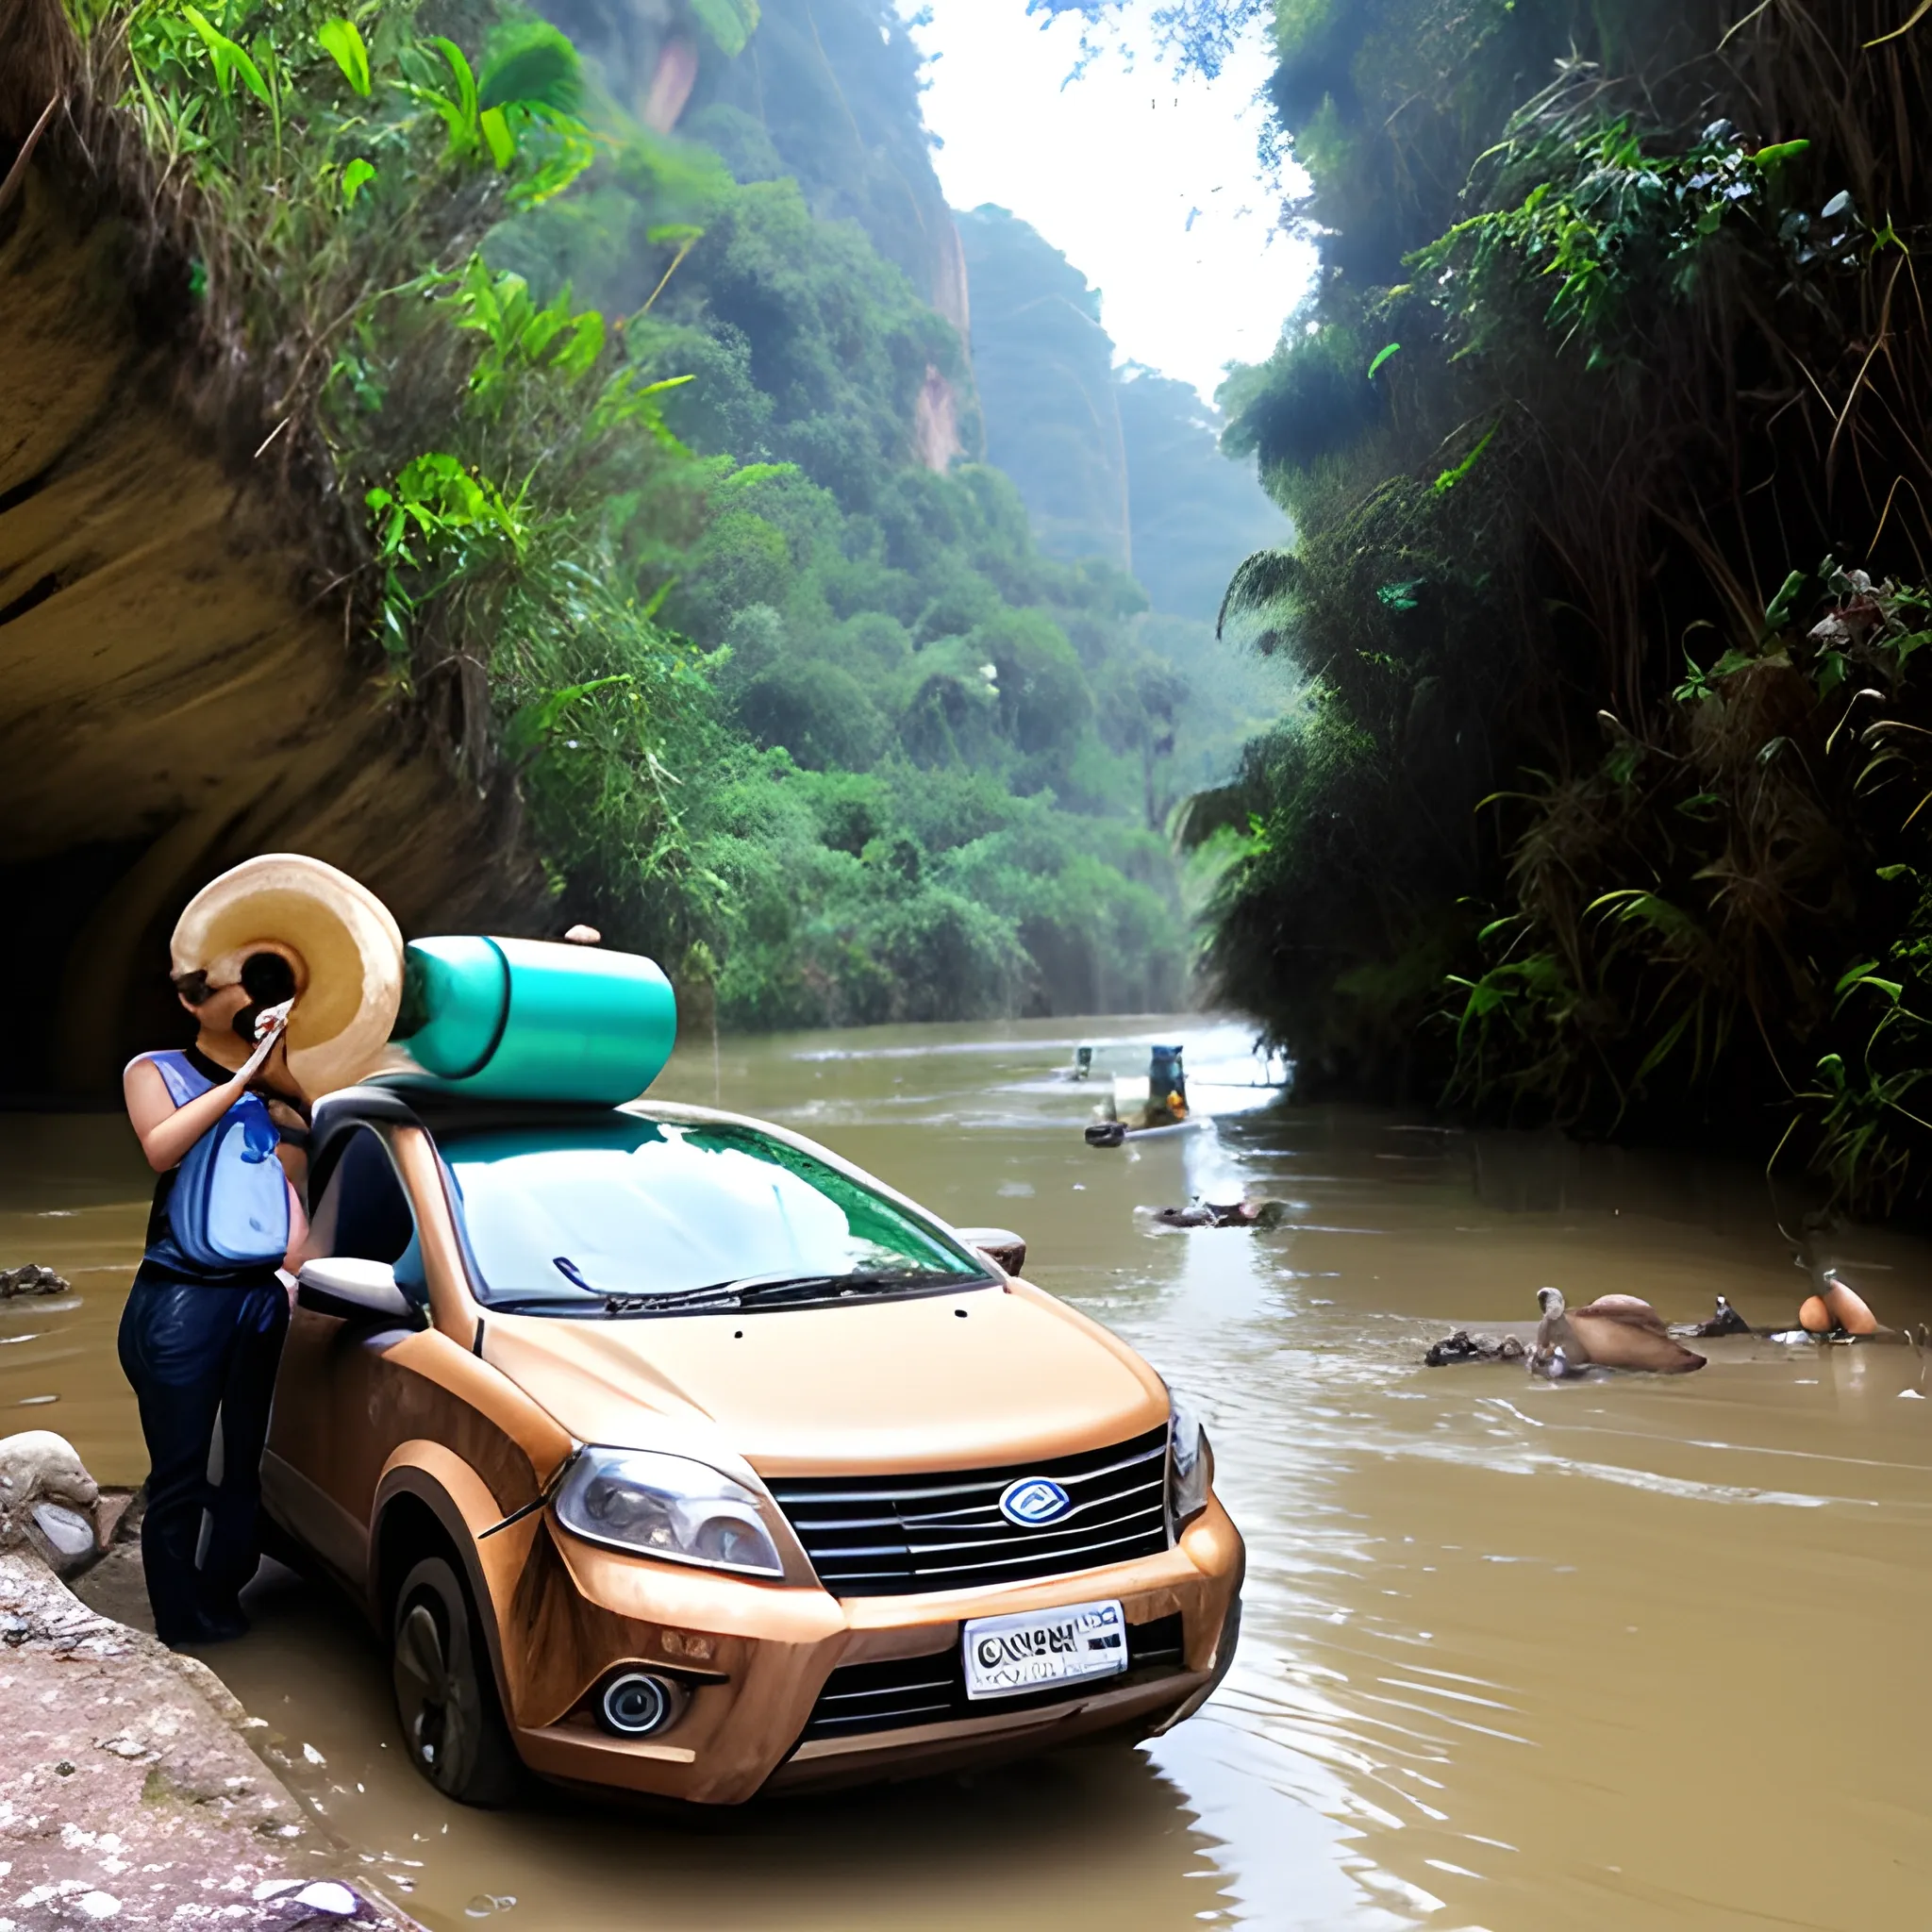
(530, 1020)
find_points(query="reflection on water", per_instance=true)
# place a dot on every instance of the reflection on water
(1517, 1657)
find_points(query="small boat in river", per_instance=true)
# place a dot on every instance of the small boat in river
(1145, 1107)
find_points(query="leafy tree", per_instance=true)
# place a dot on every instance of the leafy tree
(827, 95)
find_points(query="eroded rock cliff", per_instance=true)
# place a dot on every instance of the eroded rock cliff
(180, 682)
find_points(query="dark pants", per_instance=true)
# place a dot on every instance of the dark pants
(194, 1351)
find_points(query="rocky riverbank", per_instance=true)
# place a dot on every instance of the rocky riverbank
(130, 1790)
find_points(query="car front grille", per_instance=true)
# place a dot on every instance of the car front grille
(905, 1690)
(894, 1536)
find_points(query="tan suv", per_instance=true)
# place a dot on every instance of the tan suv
(674, 1454)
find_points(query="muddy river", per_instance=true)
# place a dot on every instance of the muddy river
(1517, 1657)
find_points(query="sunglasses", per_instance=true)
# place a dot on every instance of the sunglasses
(267, 979)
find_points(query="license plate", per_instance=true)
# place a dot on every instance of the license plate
(1007, 1655)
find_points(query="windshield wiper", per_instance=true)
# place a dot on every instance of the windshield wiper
(723, 1295)
(766, 1290)
(681, 1298)
(862, 1281)
(605, 1303)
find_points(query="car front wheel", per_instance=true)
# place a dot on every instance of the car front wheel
(445, 1693)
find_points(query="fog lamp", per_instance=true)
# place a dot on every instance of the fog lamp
(638, 1703)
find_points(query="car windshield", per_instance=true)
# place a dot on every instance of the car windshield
(623, 1213)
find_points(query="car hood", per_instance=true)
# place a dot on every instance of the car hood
(974, 1380)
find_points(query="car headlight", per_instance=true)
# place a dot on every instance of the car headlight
(1190, 1464)
(669, 1506)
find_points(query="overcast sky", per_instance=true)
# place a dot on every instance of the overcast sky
(1112, 169)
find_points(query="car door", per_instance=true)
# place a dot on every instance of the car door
(335, 1421)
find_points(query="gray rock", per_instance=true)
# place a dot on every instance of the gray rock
(31, 1280)
(62, 1534)
(131, 1779)
(37, 1469)
(329, 1895)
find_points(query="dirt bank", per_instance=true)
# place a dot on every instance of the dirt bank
(128, 1791)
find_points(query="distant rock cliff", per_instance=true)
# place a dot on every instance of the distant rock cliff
(1044, 367)
(1120, 463)
(827, 91)
(830, 89)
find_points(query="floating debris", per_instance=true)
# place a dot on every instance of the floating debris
(32, 1280)
(1725, 1321)
(1464, 1347)
(1201, 1213)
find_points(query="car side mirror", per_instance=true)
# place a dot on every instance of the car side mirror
(352, 1290)
(1000, 1245)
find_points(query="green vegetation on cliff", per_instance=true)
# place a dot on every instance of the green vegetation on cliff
(645, 472)
(827, 93)
(496, 484)
(950, 753)
(1616, 339)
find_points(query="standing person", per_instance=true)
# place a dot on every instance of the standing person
(203, 1330)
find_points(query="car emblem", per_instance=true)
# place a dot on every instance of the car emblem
(1034, 1501)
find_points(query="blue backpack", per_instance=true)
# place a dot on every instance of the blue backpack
(229, 1208)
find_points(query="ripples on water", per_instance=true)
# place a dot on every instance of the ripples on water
(1517, 1657)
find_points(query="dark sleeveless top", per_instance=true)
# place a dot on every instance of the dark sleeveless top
(163, 1264)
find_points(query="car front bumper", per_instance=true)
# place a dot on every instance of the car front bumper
(753, 1660)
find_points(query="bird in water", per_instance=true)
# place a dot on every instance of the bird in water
(1615, 1331)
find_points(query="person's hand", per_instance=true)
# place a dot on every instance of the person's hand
(269, 1028)
(273, 1020)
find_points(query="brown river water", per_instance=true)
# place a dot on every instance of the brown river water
(1518, 1657)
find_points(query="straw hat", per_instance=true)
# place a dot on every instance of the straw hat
(338, 937)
